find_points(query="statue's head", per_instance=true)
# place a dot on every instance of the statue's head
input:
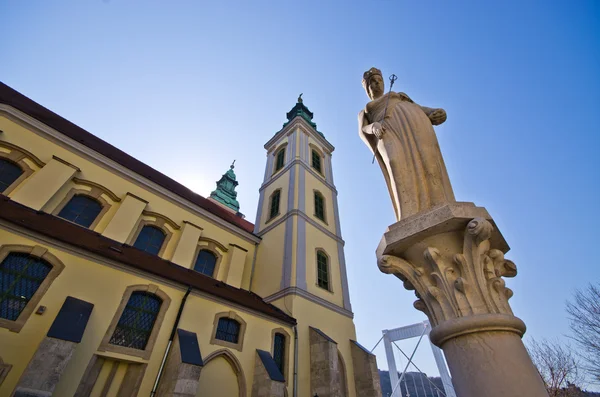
(373, 83)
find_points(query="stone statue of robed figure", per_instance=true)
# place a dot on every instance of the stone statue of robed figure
(405, 145)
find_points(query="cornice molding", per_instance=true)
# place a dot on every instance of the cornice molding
(28, 154)
(91, 184)
(122, 171)
(167, 220)
(41, 239)
(302, 163)
(305, 217)
(308, 129)
(308, 296)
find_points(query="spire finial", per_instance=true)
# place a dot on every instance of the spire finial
(232, 166)
(300, 98)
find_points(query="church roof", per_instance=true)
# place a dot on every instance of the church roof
(77, 236)
(19, 101)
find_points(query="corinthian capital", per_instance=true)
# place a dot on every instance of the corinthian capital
(450, 284)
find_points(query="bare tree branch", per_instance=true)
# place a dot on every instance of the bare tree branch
(558, 368)
(584, 314)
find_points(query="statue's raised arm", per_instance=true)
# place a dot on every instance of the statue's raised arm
(406, 148)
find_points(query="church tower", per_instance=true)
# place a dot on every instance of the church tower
(298, 217)
(300, 265)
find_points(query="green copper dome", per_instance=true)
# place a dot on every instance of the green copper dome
(301, 110)
(225, 192)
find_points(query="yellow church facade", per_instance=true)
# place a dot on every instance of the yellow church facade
(116, 280)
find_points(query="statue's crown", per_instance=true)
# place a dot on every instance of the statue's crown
(370, 73)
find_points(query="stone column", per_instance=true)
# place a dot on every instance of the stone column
(181, 374)
(324, 370)
(366, 375)
(453, 257)
(268, 380)
(54, 353)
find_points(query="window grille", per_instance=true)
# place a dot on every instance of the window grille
(135, 325)
(319, 206)
(274, 211)
(205, 263)
(20, 277)
(81, 210)
(228, 330)
(280, 160)
(150, 239)
(279, 352)
(316, 161)
(322, 270)
(9, 172)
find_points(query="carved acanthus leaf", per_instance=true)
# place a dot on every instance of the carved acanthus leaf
(455, 285)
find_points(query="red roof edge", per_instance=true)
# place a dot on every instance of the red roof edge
(19, 101)
(75, 235)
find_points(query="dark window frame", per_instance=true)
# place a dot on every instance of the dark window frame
(319, 202)
(228, 330)
(279, 353)
(280, 159)
(150, 246)
(275, 203)
(323, 271)
(27, 279)
(133, 336)
(316, 161)
(11, 171)
(203, 268)
(84, 221)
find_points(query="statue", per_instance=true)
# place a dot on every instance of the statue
(406, 148)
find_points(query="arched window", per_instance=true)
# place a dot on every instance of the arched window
(81, 210)
(322, 270)
(320, 206)
(137, 320)
(228, 330)
(279, 159)
(205, 263)
(20, 277)
(316, 161)
(274, 207)
(279, 352)
(150, 239)
(9, 172)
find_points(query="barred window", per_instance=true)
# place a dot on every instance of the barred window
(205, 263)
(82, 210)
(322, 270)
(136, 322)
(316, 161)
(20, 277)
(9, 172)
(228, 330)
(279, 351)
(280, 160)
(275, 198)
(150, 239)
(319, 206)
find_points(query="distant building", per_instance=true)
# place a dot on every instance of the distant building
(106, 265)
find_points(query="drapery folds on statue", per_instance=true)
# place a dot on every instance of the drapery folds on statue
(406, 147)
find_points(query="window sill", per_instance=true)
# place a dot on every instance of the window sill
(324, 289)
(322, 220)
(273, 217)
(236, 346)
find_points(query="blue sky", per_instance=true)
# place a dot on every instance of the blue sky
(212, 81)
